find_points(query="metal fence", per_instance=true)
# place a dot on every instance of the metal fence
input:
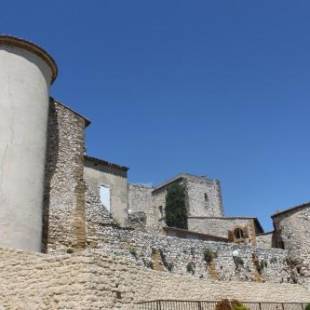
(211, 305)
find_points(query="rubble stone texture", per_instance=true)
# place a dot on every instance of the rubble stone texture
(89, 280)
(64, 200)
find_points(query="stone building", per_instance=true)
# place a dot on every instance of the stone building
(60, 201)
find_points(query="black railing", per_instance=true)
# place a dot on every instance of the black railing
(211, 305)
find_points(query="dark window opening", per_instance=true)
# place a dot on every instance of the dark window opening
(161, 211)
(206, 197)
(239, 234)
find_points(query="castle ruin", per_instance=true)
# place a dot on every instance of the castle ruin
(59, 206)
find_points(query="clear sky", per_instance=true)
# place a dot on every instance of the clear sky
(217, 88)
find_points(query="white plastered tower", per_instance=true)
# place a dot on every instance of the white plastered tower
(26, 73)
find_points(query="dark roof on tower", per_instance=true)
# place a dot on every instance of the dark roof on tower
(105, 163)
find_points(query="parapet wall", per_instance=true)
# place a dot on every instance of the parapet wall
(88, 280)
(230, 261)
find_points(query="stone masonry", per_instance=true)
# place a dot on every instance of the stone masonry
(90, 280)
(64, 200)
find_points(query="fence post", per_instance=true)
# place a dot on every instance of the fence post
(260, 305)
(158, 305)
(199, 305)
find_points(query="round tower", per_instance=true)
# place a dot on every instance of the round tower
(26, 73)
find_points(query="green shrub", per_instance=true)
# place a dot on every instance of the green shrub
(307, 307)
(176, 212)
(133, 252)
(236, 305)
(168, 266)
(148, 263)
(238, 262)
(190, 268)
(209, 255)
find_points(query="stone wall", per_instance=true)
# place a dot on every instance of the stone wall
(222, 225)
(181, 256)
(264, 240)
(140, 200)
(204, 197)
(292, 232)
(100, 173)
(90, 280)
(64, 205)
(229, 262)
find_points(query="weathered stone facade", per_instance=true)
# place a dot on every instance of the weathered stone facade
(64, 200)
(140, 200)
(110, 253)
(226, 226)
(99, 173)
(76, 219)
(90, 280)
(203, 198)
(265, 240)
(230, 262)
(292, 233)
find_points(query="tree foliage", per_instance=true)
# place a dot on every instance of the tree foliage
(176, 212)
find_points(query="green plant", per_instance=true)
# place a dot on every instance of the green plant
(236, 305)
(190, 268)
(238, 262)
(274, 260)
(209, 255)
(307, 307)
(176, 211)
(147, 263)
(133, 252)
(168, 266)
(192, 251)
(260, 265)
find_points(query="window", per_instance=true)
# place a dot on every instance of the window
(206, 197)
(161, 211)
(105, 197)
(239, 234)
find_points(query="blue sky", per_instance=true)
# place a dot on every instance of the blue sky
(217, 88)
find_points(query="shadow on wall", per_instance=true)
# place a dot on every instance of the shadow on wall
(50, 167)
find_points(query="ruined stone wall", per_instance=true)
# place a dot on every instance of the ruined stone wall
(96, 175)
(90, 280)
(220, 226)
(292, 232)
(293, 228)
(140, 200)
(64, 205)
(159, 203)
(264, 240)
(204, 197)
(183, 256)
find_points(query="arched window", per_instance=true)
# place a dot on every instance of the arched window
(239, 233)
